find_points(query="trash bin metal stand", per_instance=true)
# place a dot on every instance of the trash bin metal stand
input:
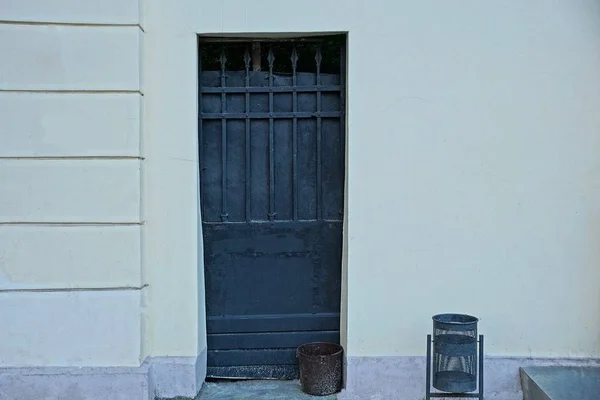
(429, 395)
(480, 367)
(428, 373)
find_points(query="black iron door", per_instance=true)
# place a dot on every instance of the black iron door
(271, 134)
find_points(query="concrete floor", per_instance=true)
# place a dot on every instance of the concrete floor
(256, 390)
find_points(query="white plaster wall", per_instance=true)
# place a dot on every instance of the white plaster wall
(65, 57)
(33, 124)
(70, 328)
(70, 191)
(173, 257)
(485, 167)
(69, 256)
(70, 187)
(472, 159)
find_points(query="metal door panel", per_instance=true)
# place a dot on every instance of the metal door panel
(272, 195)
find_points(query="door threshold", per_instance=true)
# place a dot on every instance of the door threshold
(256, 390)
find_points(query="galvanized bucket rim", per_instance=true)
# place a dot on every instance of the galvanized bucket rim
(469, 319)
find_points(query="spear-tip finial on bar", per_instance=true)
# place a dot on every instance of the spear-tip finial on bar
(271, 57)
(247, 59)
(294, 58)
(223, 59)
(318, 58)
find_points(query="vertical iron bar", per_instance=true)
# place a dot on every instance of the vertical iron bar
(271, 59)
(294, 59)
(224, 214)
(481, 354)
(247, 84)
(318, 59)
(256, 58)
(428, 373)
(342, 124)
(200, 135)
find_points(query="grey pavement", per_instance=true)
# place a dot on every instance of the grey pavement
(256, 390)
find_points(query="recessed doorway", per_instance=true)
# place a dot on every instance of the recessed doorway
(272, 169)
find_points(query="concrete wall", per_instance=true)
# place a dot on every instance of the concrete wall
(70, 209)
(472, 166)
(472, 159)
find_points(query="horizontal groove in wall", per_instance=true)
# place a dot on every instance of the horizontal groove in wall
(116, 158)
(92, 24)
(70, 224)
(53, 290)
(70, 91)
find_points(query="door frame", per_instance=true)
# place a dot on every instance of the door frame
(344, 259)
(203, 40)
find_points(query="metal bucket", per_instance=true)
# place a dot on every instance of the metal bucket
(320, 368)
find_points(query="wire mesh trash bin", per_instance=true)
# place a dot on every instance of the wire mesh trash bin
(456, 362)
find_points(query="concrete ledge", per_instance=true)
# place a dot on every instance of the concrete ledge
(561, 383)
(172, 377)
(156, 378)
(74, 383)
(403, 378)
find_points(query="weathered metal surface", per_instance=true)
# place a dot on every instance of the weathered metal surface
(272, 181)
